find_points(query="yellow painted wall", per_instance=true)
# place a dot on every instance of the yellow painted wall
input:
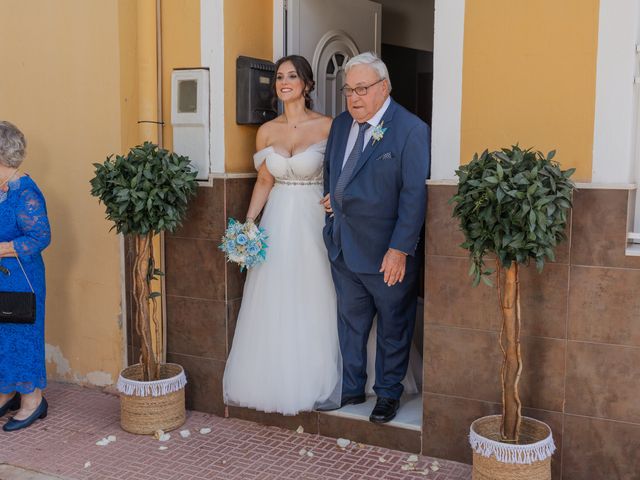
(68, 82)
(248, 31)
(529, 73)
(127, 22)
(180, 49)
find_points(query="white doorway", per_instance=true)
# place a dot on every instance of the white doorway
(330, 32)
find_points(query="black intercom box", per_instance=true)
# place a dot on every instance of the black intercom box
(255, 97)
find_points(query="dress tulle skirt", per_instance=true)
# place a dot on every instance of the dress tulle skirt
(285, 355)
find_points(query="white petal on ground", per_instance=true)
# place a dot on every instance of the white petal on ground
(163, 447)
(87, 464)
(103, 442)
(412, 459)
(408, 467)
(165, 437)
(185, 433)
(309, 454)
(435, 467)
(111, 438)
(205, 430)
(300, 429)
(302, 452)
(157, 434)
(343, 442)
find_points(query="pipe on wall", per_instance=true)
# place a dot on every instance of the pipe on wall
(149, 56)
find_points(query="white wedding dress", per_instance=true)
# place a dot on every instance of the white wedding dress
(285, 355)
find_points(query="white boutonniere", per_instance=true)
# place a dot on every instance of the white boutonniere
(378, 132)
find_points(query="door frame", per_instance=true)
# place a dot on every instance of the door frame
(447, 80)
(279, 29)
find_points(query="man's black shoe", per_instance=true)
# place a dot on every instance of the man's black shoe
(347, 400)
(385, 410)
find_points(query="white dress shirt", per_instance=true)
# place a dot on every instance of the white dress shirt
(353, 133)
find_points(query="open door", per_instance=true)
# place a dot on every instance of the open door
(328, 33)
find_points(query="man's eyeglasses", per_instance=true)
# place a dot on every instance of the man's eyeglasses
(360, 91)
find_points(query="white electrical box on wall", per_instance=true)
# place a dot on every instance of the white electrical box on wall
(190, 117)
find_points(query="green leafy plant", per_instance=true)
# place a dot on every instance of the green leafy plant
(512, 203)
(145, 192)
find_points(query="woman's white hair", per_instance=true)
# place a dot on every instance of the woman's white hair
(12, 145)
(372, 60)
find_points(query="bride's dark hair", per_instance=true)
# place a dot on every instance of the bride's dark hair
(304, 71)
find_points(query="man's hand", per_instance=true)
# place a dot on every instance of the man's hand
(326, 203)
(6, 249)
(393, 266)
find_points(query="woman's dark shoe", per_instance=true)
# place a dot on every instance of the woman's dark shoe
(353, 400)
(41, 412)
(11, 405)
(347, 400)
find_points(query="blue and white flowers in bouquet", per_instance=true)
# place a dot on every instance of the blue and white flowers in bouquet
(244, 244)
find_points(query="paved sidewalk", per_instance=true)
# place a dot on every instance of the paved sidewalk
(64, 445)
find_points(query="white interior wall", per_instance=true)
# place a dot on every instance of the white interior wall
(408, 23)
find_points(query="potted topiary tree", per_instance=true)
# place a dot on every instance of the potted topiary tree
(514, 204)
(145, 193)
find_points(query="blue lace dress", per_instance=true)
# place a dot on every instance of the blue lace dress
(23, 220)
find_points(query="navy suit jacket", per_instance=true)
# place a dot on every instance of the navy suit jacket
(385, 200)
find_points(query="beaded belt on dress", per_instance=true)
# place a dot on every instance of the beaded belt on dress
(299, 182)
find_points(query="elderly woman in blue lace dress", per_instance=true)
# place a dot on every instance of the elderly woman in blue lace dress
(24, 233)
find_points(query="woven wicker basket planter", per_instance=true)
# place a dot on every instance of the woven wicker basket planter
(146, 407)
(530, 459)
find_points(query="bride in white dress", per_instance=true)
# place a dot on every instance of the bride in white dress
(285, 355)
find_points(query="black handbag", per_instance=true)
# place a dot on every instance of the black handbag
(18, 307)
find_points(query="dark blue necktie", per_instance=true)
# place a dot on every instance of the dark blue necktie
(350, 164)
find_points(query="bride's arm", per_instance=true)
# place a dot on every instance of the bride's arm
(264, 183)
(261, 190)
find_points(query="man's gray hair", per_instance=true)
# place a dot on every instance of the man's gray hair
(12, 145)
(372, 60)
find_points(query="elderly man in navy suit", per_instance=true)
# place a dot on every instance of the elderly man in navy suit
(376, 163)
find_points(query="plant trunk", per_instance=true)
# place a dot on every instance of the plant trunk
(512, 362)
(150, 365)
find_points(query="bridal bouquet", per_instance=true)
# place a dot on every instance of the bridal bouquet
(244, 244)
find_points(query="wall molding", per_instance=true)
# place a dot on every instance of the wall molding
(212, 56)
(614, 150)
(447, 87)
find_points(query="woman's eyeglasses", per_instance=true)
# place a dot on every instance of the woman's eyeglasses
(360, 91)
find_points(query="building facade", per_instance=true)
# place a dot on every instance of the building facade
(84, 79)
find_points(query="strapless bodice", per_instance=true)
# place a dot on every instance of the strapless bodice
(303, 166)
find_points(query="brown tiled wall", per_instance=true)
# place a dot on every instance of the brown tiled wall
(203, 291)
(580, 343)
(203, 300)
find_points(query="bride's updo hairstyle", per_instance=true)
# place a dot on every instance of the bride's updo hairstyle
(304, 71)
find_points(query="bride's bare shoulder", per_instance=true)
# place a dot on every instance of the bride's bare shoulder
(322, 121)
(319, 117)
(267, 131)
